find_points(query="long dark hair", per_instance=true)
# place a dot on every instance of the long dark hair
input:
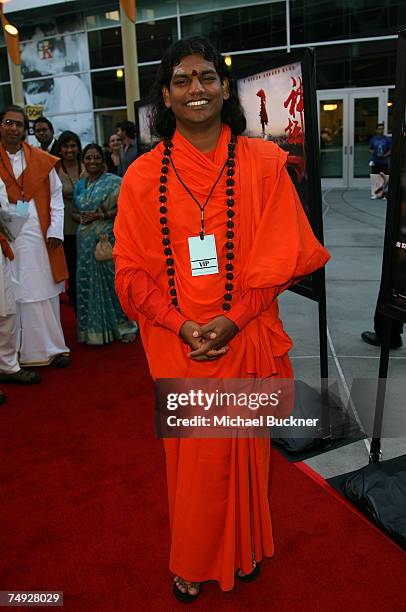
(163, 119)
(65, 137)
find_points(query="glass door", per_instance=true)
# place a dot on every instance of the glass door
(333, 148)
(347, 122)
(366, 110)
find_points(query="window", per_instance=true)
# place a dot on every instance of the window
(68, 93)
(317, 20)
(151, 9)
(102, 18)
(106, 122)
(191, 6)
(239, 29)
(5, 96)
(251, 63)
(147, 10)
(147, 77)
(54, 55)
(108, 89)
(154, 37)
(356, 65)
(105, 48)
(391, 110)
(33, 28)
(4, 73)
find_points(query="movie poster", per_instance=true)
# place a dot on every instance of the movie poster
(45, 56)
(146, 138)
(274, 108)
(56, 77)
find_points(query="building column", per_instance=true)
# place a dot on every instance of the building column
(16, 84)
(13, 50)
(129, 42)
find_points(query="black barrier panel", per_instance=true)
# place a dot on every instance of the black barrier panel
(394, 260)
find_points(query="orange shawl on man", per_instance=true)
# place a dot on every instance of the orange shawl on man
(35, 181)
(217, 488)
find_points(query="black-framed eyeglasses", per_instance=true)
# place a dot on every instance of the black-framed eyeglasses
(10, 122)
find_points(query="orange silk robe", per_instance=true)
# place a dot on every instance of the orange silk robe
(217, 488)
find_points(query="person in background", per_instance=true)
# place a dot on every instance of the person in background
(70, 171)
(44, 133)
(380, 147)
(39, 268)
(126, 131)
(112, 154)
(375, 337)
(10, 371)
(100, 318)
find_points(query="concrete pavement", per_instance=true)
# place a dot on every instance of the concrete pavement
(354, 232)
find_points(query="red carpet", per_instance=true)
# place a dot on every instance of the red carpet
(83, 506)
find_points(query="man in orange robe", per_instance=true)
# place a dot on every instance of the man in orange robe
(221, 325)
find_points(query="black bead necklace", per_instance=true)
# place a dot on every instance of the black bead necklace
(230, 164)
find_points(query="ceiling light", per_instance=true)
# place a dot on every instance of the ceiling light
(10, 29)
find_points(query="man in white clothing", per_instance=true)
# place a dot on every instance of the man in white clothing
(30, 186)
(10, 370)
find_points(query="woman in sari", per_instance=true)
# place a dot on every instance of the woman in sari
(69, 149)
(100, 319)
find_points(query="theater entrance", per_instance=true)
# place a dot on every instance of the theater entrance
(347, 122)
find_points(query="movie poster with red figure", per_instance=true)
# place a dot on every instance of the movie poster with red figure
(274, 108)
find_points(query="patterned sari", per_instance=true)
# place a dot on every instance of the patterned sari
(100, 318)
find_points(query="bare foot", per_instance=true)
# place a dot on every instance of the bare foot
(185, 586)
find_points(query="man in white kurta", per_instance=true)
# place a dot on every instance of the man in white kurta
(39, 337)
(10, 370)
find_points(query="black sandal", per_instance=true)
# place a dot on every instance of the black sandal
(186, 597)
(251, 576)
(61, 361)
(22, 377)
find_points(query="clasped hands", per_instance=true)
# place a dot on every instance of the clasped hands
(88, 217)
(210, 341)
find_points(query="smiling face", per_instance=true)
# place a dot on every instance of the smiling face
(114, 143)
(69, 150)
(94, 162)
(196, 93)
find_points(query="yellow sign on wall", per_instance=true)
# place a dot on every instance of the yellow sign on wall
(33, 111)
